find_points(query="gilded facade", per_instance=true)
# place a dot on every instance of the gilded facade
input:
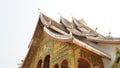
(57, 45)
(58, 52)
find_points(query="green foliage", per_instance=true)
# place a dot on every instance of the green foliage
(117, 60)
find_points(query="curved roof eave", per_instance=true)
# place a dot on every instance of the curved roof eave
(60, 37)
(73, 40)
(66, 37)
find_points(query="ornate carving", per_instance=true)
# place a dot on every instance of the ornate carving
(59, 51)
(93, 58)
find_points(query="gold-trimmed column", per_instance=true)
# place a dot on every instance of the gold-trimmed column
(71, 58)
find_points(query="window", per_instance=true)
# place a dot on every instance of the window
(39, 64)
(82, 63)
(64, 64)
(56, 66)
(46, 62)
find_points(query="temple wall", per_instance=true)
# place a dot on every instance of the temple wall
(43, 46)
(57, 51)
(61, 51)
(111, 50)
(93, 59)
(46, 51)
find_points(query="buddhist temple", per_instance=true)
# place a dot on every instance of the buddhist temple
(70, 44)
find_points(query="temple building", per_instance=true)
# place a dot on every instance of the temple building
(68, 44)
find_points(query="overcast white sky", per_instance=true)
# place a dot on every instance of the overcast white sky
(18, 20)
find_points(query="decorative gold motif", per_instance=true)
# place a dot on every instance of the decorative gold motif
(58, 51)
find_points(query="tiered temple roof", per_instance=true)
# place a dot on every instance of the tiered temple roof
(76, 32)
(76, 28)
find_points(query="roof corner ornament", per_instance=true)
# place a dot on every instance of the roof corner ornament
(20, 64)
(60, 14)
(96, 29)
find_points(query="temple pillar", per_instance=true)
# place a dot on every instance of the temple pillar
(72, 58)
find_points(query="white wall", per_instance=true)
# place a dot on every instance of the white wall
(111, 50)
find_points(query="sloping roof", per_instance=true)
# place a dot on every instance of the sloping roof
(73, 32)
(76, 32)
(81, 29)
